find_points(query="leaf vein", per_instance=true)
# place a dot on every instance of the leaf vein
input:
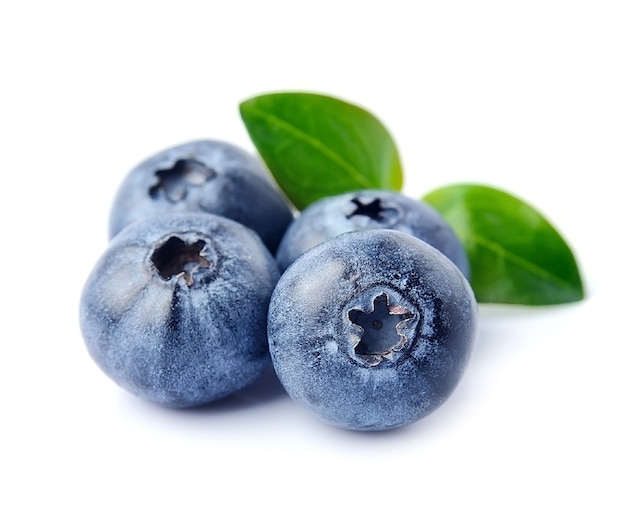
(354, 173)
(531, 267)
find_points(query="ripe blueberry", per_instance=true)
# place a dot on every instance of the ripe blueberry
(372, 329)
(203, 176)
(175, 310)
(369, 209)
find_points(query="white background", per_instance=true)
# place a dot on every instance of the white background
(527, 96)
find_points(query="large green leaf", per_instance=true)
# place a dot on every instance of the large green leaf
(317, 146)
(516, 255)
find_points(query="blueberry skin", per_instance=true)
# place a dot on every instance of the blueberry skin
(371, 330)
(175, 310)
(365, 210)
(203, 176)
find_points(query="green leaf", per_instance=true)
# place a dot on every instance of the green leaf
(317, 146)
(516, 255)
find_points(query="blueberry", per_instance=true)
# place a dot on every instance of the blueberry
(369, 209)
(175, 310)
(372, 329)
(204, 176)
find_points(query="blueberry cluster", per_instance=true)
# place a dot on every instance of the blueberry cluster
(361, 302)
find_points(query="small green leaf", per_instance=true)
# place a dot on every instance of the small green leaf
(516, 255)
(317, 146)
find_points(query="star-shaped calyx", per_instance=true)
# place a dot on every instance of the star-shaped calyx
(375, 210)
(176, 257)
(174, 183)
(383, 330)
